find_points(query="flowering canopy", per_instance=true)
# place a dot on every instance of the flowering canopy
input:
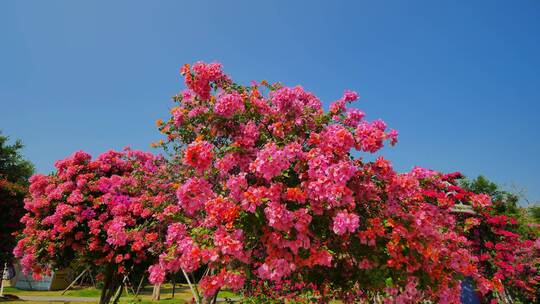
(271, 196)
(277, 203)
(102, 212)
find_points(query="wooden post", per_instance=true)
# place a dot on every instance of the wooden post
(75, 281)
(118, 293)
(195, 295)
(92, 279)
(139, 287)
(156, 294)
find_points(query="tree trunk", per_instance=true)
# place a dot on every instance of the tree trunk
(110, 285)
(105, 289)
(173, 285)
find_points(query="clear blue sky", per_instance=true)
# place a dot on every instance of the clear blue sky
(460, 80)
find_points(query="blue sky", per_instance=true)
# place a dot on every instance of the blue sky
(460, 80)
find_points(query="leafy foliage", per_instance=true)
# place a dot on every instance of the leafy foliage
(14, 174)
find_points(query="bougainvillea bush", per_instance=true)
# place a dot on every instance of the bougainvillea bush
(278, 201)
(269, 194)
(108, 213)
(508, 248)
(508, 257)
(508, 251)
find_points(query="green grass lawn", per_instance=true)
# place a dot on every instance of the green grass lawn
(182, 294)
(32, 302)
(77, 292)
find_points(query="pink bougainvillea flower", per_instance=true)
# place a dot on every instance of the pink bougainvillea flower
(345, 222)
(229, 104)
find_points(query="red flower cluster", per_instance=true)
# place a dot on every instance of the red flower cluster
(508, 259)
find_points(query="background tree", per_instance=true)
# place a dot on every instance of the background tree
(503, 201)
(506, 203)
(14, 173)
(534, 213)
